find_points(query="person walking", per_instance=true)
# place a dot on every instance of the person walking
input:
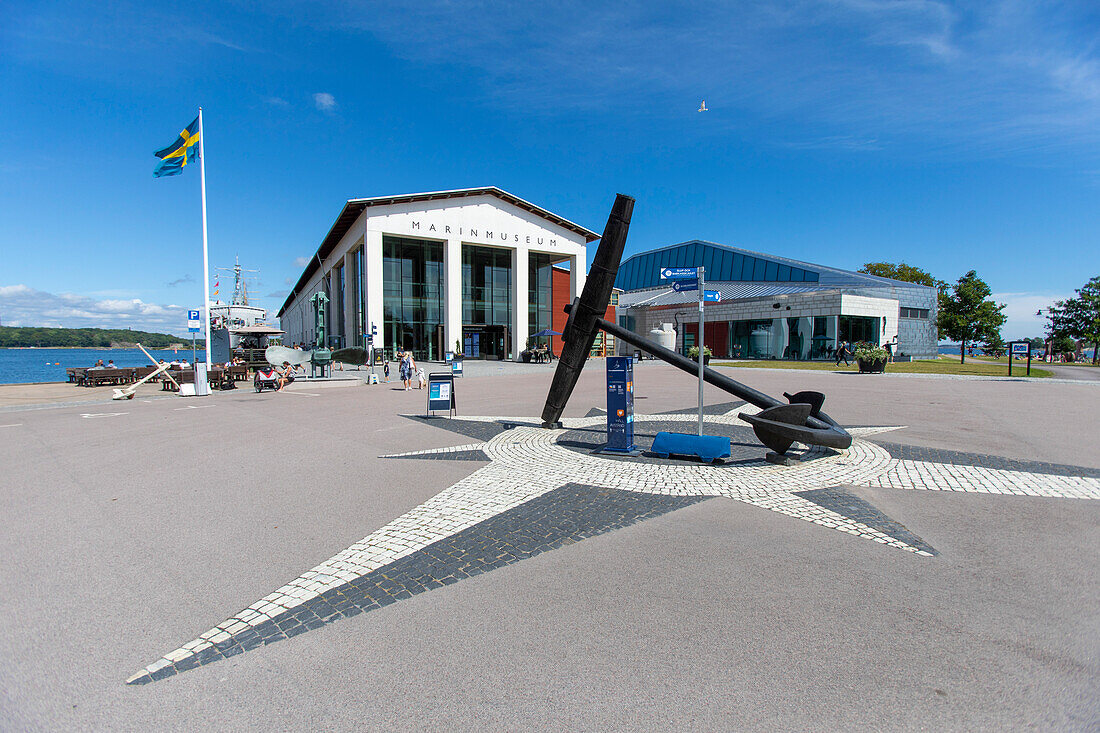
(842, 353)
(408, 369)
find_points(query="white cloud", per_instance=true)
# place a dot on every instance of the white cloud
(324, 101)
(1020, 312)
(982, 77)
(21, 305)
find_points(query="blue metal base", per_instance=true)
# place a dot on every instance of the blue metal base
(707, 448)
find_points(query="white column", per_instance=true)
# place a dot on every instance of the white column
(576, 276)
(520, 300)
(452, 294)
(372, 276)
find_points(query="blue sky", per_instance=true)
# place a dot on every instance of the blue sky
(951, 136)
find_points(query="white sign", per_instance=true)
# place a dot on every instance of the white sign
(1021, 347)
(193, 321)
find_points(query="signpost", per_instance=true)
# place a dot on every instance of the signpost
(688, 279)
(699, 276)
(1019, 347)
(620, 405)
(441, 393)
(193, 325)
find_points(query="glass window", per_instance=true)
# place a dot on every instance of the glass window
(412, 295)
(784, 273)
(771, 269)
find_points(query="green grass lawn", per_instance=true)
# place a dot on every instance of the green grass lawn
(1016, 363)
(930, 366)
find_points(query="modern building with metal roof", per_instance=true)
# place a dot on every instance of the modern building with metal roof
(465, 270)
(774, 307)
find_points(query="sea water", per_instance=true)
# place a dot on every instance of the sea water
(19, 366)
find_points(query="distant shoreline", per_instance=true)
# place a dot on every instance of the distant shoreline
(100, 348)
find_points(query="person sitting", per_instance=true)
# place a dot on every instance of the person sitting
(98, 365)
(184, 364)
(286, 376)
(110, 363)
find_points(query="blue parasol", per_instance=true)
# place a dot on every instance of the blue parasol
(546, 332)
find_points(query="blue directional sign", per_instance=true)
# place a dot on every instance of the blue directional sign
(677, 273)
(712, 295)
(681, 286)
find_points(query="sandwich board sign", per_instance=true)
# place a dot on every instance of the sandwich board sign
(441, 393)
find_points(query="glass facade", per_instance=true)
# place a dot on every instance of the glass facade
(486, 302)
(539, 293)
(722, 264)
(412, 296)
(854, 329)
(358, 296)
(337, 307)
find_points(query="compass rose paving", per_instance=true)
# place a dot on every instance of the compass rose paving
(375, 568)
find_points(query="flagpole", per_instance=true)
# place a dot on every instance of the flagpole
(205, 250)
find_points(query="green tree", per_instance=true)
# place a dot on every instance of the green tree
(905, 273)
(1079, 318)
(968, 316)
(1063, 345)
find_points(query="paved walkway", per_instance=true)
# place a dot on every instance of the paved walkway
(485, 573)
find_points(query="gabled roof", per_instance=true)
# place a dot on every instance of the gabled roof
(354, 207)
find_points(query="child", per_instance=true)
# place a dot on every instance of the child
(386, 370)
(420, 379)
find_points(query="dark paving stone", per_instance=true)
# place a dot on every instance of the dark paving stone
(851, 506)
(560, 517)
(462, 455)
(481, 431)
(744, 446)
(958, 458)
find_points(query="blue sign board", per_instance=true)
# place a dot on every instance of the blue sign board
(620, 404)
(193, 319)
(712, 295)
(677, 273)
(1021, 347)
(681, 286)
(456, 367)
(441, 392)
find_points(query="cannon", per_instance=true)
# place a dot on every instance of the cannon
(778, 425)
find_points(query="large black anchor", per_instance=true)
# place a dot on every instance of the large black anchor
(778, 425)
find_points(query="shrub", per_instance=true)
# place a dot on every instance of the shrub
(869, 352)
(693, 352)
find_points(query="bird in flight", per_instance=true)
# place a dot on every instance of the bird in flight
(702, 107)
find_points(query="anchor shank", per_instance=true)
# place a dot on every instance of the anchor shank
(719, 380)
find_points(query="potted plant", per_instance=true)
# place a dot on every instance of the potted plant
(871, 358)
(693, 354)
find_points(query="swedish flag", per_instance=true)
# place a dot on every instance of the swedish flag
(181, 152)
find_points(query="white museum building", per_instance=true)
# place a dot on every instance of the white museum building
(467, 270)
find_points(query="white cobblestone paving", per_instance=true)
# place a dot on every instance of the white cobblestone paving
(526, 462)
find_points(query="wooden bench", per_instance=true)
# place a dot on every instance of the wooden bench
(97, 377)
